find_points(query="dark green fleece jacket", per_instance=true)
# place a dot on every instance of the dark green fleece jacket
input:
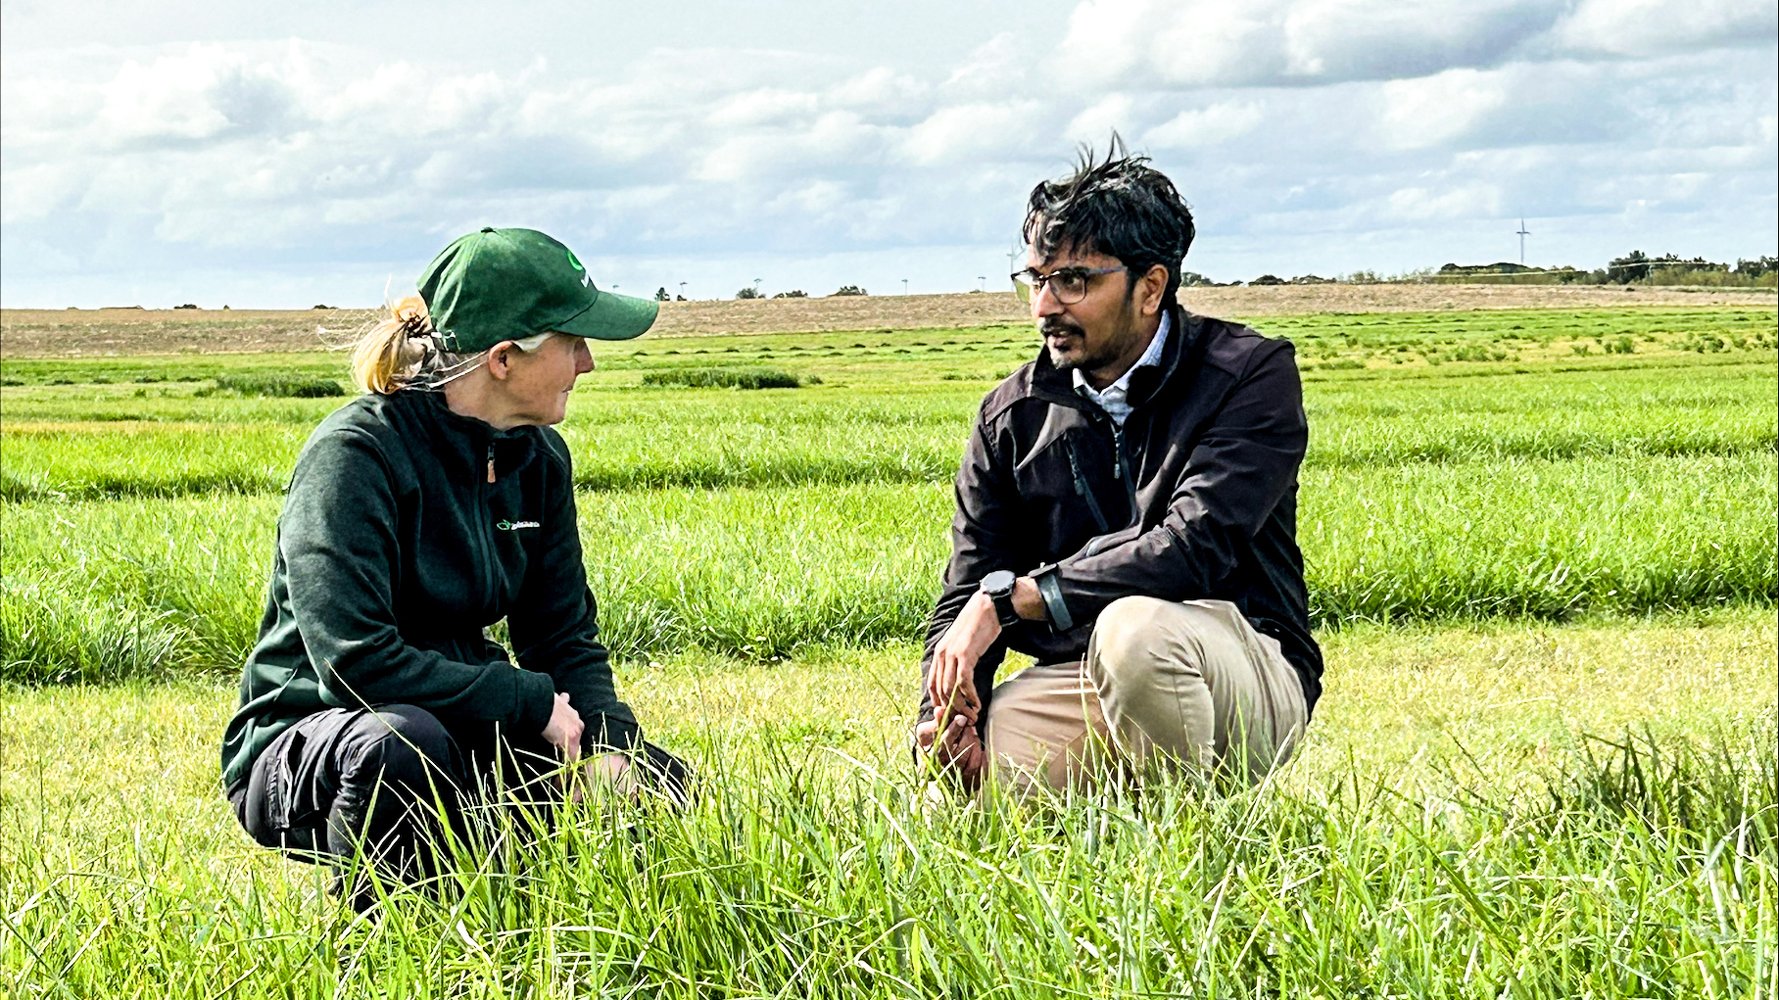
(407, 530)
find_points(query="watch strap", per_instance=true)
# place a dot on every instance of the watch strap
(1004, 611)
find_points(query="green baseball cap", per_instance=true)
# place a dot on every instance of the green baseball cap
(509, 284)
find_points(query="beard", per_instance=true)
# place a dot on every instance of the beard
(1064, 342)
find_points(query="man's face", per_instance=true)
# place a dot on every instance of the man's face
(1103, 332)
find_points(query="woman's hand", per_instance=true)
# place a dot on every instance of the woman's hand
(565, 728)
(611, 770)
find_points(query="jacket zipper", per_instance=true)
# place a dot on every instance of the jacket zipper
(482, 533)
(1121, 467)
(1083, 489)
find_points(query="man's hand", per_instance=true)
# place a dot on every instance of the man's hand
(564, 728)
(954, 660)
(958, 749)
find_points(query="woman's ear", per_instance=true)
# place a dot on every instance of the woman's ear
(500, 360)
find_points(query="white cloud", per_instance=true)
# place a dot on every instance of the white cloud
(1206, 127)
(834, 137)
(966, 131)
(879, 90)
(1382, 39)
(1209, 43)
(996, 69)
(763, 107)
(1094, 123)
(1195, 43)
(1300, 129)
(203, 94)
(1422, 204)
(1434, 110)
(40, 191)
(1655, 27)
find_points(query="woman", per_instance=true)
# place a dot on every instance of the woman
(438, 503)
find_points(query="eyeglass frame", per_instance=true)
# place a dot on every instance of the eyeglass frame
(1028, 283)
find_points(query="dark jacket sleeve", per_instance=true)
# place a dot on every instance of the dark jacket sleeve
(1241, 467)
(554, 624)
(338, 542)
(981, 533)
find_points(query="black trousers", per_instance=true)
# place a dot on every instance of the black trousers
(392, 778)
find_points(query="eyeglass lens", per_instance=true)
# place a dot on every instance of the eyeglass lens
(1067, 285)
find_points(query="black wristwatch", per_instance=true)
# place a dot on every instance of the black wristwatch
(999, 588)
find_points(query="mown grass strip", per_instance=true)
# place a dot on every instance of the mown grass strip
(762, 572)
(837, 435)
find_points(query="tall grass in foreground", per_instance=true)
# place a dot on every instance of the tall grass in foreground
(1635, 867)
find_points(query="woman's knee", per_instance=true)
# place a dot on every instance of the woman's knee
(401, 743)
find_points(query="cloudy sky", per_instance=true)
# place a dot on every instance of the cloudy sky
(284, 154)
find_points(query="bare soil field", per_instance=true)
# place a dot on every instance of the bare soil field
(36, 333)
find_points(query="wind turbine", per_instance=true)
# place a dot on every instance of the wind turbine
(1523, 232)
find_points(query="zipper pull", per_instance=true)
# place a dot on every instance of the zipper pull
(491, 461)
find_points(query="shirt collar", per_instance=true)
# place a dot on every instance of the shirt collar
(1151, 358)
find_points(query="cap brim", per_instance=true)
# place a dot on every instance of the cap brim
(613, 317)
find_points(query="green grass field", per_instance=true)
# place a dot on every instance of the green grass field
(1541, 553)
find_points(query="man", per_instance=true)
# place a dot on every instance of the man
(1126, 515)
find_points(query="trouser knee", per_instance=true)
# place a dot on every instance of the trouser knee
(400, 781)
(401, 744)
(1127, 647)
(1147, 660)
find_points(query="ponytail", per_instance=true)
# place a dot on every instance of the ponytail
(389, 355)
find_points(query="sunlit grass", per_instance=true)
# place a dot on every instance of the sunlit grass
(1543, 567)
(1447, 828)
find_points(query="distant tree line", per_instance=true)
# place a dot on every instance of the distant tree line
(751, 292)
(1634, 267)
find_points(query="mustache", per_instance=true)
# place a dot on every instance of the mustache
(1057, 326)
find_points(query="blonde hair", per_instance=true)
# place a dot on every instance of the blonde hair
(399, 352)
(389, 355)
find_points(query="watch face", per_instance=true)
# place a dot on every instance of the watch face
(999, 582)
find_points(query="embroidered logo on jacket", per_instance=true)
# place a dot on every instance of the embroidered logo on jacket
(516, 525)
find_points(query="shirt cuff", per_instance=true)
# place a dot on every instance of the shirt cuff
(1050, 589)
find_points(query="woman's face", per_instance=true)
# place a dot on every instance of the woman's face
(538, 382)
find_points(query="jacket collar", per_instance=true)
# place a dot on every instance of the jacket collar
(476, 439)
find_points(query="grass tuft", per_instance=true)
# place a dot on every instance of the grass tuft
(723, 378)
(280, 386)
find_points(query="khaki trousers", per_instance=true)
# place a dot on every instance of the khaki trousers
(1165, 683)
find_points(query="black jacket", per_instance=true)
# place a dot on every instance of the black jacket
(1195, 498)
(395, 552)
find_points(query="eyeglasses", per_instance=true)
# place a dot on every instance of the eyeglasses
(1068, 284)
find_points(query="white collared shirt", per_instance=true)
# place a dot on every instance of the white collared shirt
(1114, 398)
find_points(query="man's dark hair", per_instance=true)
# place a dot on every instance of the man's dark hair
(1121, 207)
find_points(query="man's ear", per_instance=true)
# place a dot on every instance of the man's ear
(1154, 283)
